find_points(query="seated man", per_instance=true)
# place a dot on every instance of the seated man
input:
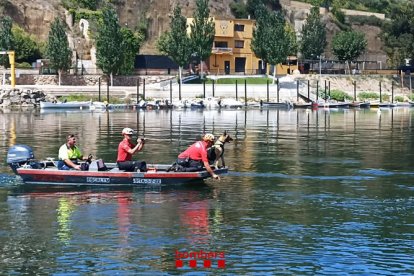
(195, 157)
(69, 154)
(125, 151)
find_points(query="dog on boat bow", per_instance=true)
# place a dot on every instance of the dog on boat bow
(216, 152)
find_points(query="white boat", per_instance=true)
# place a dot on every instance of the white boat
(79, 105)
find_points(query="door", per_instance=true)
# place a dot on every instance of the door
(227, 67)
(240, 64)
(262, 67)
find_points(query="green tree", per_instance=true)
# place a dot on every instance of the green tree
(109, 57)
(202, 32)
(27, 50)
(348, 46)
(57, 49)
(293, 43)
(398, 35)
(175, 43)
(131, 42)
(6, 39)
(313, 41)
(270, 41)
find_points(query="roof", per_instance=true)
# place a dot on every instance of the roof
(154, 62)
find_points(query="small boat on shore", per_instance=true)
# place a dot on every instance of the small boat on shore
(67, 105)
(359, 104)
(285, 104)
(45, 173)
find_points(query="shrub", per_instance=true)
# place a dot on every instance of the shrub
(368, 96)
(411, 97)
(398, 98)
(24, 65)
(336, 94)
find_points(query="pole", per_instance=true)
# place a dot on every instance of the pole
(297, 91)
(317, 90)
(245, 92)
(392, 92)
(107, 91)
(204, 88)
(267, 90)
(213, 87)
(354, 91)
(237, 96)
(143, 88)
(137, 90)
(380, 92)
(308, 90)
(278, 86)
(99, 89)
(179, 90)
(171, 91)
(12, 68)
(320, 65)
(325, 91)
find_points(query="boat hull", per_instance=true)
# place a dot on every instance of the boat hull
(112, 178)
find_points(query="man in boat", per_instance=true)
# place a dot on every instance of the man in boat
(69, 154)
(125, 151)
(195, 157)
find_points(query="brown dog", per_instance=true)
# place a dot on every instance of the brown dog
(216, 152)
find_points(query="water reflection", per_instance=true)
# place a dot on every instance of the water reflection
(309, 192)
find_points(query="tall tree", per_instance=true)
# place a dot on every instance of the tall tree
(348, 46)
(399, 35)
(270, 41)
(313, 41)
(109, 56)
(6, 39)
(202, 32)
(57, 49)
(259, 38)
(175, 43)
(131, 42)
(25, 45)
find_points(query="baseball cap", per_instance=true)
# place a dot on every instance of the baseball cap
(128, 131)
(208, 137)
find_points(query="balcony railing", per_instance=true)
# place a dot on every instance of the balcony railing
(222, 50)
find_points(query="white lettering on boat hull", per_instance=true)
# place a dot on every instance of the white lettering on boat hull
(146, 181)
(98, 180)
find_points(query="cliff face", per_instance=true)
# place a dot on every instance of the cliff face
(35, 16)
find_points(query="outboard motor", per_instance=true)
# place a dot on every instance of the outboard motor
(19, 155)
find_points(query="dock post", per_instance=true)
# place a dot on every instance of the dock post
(204, 88)
(297, 91)
(237, 97)
(278, 88)
(171, 91)
(380, 91)
(354, 91)
(392, 92)
(214, 87)
(99, 89)
(317, 90)
(267, 89)
(143, 88)
(245, 92)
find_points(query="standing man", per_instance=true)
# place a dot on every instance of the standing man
(125, 151)
(195, 157)
(70, 154)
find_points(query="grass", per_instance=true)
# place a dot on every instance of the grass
(233, 81)
(84, 98)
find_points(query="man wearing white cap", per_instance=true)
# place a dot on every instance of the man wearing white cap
(125, 151)
(195, 157)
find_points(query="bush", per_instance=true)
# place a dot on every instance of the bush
(368, 96)
(411, 97)
(24, 65)
(335, 94)
(398, 98)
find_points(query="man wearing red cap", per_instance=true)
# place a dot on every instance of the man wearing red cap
(195, 157)
(125, 151)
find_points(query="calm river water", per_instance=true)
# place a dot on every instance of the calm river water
(308, 192)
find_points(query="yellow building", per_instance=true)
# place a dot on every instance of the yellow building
(232, 54)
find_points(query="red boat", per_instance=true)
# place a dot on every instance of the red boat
(21, 159)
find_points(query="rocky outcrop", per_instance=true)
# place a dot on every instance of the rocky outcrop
(24, 98)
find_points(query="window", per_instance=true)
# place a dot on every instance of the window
(238, 28)
(220, 44)
(239, 44)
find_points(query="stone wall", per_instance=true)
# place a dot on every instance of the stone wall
(84, 80)
(23, 97)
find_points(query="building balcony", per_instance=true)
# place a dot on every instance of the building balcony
(222, 51)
